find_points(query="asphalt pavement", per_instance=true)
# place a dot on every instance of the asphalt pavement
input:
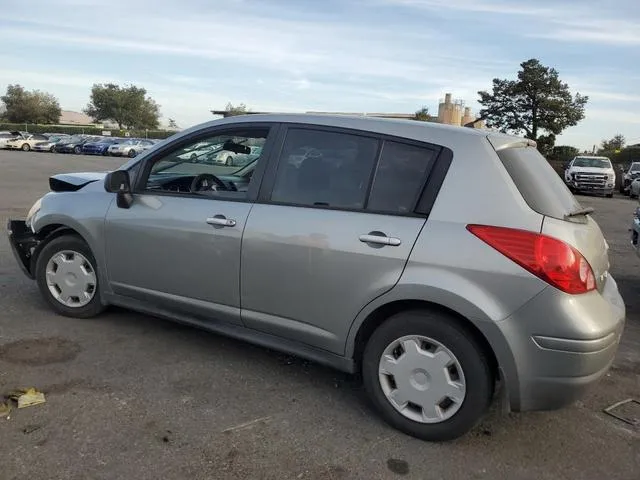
(133, 397)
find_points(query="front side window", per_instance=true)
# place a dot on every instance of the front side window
(322, 168)
(217, 165)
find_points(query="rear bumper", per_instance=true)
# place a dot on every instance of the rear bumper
(23, 243)
(557, 346)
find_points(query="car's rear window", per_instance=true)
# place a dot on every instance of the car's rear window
(540, 185)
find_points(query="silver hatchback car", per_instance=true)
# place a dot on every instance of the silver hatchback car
(448, 266)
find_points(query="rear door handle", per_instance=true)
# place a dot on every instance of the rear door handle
(221, 221)
(380, 239)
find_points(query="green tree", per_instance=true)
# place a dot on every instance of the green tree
(536, 101)
(130, 106)
(616, 143)
(233, 110)
(22, 106)
(564, 153)
(423, 115)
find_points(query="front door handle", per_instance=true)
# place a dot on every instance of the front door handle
(221, 221)
(378, 239)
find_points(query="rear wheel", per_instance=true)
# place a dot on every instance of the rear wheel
(67, 277)
(26, 147)
(77, 149)
(609, 195)
(52, 149)
(229, 161)
(132, 153)
(427, 376)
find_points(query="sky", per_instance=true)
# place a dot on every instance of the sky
(397, 56)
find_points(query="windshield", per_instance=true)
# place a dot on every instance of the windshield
(221, 155)
(592, 162)
(635, 167)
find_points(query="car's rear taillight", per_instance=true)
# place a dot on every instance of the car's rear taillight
(548, 258)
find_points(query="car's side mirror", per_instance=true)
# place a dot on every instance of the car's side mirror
(118, 182)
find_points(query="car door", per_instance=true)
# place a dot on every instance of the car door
(178, 245)
(330, 232)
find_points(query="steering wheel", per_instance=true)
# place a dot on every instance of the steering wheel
(206, 181)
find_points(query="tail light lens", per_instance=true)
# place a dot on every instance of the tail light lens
(548, 258)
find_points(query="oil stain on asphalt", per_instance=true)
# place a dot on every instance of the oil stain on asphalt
(40, 351)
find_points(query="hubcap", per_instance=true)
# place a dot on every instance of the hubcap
(422, 379)
(71, 279)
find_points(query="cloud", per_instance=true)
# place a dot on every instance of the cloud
(502, 8)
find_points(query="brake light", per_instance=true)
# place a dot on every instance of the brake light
(548, 258)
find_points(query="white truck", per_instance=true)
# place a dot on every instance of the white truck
(591, 174)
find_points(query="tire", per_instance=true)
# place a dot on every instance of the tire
(229, 162)
(77, 150)
(52, 150)
(132, 153)
(476, 375)
(609, 195)
(26, 147)
(68, 243)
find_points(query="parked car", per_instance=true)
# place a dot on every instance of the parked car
(74, 144)
(130, 147)
(100, 147)
(237, 158)
(49, 144)
(24, 142)
(6, 136)
(591, 174)
(437, 261)
(629, 176)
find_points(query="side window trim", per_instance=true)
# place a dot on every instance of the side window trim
(426, 194)
(144, 169)
(434, 182)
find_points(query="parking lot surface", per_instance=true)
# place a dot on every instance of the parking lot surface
(131, 396)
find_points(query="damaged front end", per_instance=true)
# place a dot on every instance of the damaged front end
(23, 244)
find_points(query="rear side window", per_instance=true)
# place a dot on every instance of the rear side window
(540, 185)
(399, 178)
(321, 168)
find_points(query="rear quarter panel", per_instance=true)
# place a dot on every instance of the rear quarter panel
(451, 267)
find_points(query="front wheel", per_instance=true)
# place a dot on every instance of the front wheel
(77, 150)
(67, 277)
(132, 153)
(26, 147)
(609, 195)
(427, 376)
(229, 161)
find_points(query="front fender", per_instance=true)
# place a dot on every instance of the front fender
(83, 212)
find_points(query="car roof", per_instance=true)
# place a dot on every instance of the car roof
(410, 129)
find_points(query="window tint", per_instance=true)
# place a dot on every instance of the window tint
(324, 169)
(540, 185)
(400, 177)
(223, 165)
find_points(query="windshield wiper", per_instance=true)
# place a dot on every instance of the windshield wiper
(579, 212)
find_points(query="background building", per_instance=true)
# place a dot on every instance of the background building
(450, 112)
